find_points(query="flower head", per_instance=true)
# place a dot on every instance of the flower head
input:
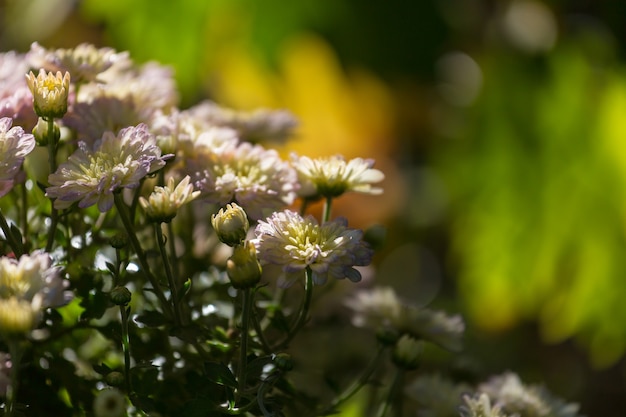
(254, 126)
(333, 176)
(164, 202)
(407, 352)
(290, 243)
(381, 308)
(14, 146)
(50, 92)
(480, 406)
(27, 286)
(16, 100)
(256, 178)
(85, 62)
(515, 398)
(109, 403)
(91, 176)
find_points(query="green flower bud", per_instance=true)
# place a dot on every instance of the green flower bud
(119, 241)
(407, 352)
(42, 135)
(231, 225)
(115, 379)
(120, 296)
(387, 336)
(283, 361)
(243, 267)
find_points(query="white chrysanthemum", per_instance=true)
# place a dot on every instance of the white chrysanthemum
(333, 176)
(109, 403)
(288, 243)
(256, 178)
(516, 398)
(50, 91)
(164, 202)
(91, 176)
(14, 146)
(480, 406)
(27, 286)
(85, 62)
(381, 308)
(252, 126)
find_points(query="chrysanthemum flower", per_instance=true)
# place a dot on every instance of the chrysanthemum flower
(480, 406)
(164, 202)
(50, 92)
(288, 244)
(256, 178)
(252, 126)
(14, 146)
(92, 176)
(516, 398)
(333, 176)
(16, 100)
(85, 62)
(381, 308)
(27, 286)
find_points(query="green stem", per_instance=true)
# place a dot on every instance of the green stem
(327, 207)
(168, 272)
(141, 255)
(52, 162)
(16, 358)
(259, 333)
(17, 246)
(357, 384)
(304, 311)
(126, 346)
(394, 390)
(24, 215)
(247, 298)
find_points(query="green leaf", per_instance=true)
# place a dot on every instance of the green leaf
(220, 374)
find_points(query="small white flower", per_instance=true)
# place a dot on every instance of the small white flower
(333, 176)
(85, 62)
(480, 406)
(91, 176)
(164, 202)
(14, 146)
(291, 243)
(380, 308)
(50, 92)
(109, 403)
(27, 286)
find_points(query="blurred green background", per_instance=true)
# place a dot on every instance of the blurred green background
(500, 125)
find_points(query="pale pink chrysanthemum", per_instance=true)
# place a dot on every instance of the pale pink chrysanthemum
(14, 146)
(288, 243)
(255, 178)
(91, 175)
(16, 100)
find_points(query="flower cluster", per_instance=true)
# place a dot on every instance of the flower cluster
(14, 146)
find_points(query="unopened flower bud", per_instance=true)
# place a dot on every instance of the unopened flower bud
(115, 379)
(387, 336)
(283, 361)
(407, 352)
(16, 316)
(243, 267)
(42, 134)
(119, 241)
(50, 93)
(120, 296)
(231, 225)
